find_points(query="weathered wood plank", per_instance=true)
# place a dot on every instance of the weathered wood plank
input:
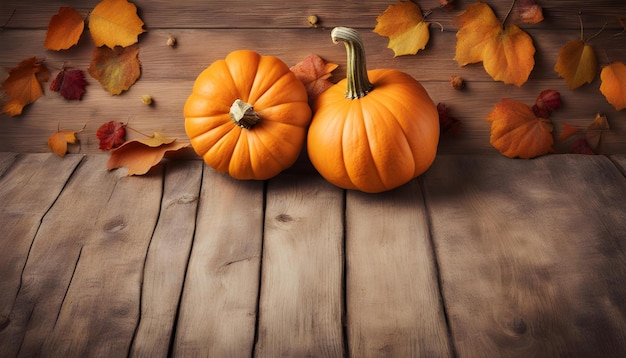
(170, 85)
(100, 310)
(6, 160)
(167, 259)
(218, 307)
(280, 14)
(27, 191)
(620, 161)
(53, 256)
(394, 308)
(531, 254)
(300, 308)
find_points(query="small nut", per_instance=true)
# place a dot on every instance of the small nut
(313, 21)
(146, 99)
(171, 41)
(457, 82)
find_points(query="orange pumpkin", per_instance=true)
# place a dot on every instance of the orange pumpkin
(372, 131)
(247, 115)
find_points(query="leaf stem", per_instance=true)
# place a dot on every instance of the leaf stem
(9, 19)
(596, 34)
(582, 33)
(508, 13)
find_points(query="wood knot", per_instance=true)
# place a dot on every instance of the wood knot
(115, 225)
(283, 218)
(518, 326)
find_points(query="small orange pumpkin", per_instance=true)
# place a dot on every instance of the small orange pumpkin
(372, 136)
(247, 115)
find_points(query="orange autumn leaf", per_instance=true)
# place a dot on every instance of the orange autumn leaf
(141, 155)
(314, 73)
(59, 140)
(116, 69)
(115, 23)
(404, 25)
(613, 85)
(576, 63)
(567, 131)
(507, 53)
(64, 29)
(23, 86)
(517, 132)
(593, 133)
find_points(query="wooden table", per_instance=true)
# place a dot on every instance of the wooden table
(482, 256)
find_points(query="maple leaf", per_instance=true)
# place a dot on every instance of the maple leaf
(613, 85)
(593, 133)
(567, 131)
(59, 140)
(314, 73)
(70, 84)
(115, 23)
(576, 63)
(111, 135)
(23, 86)
(116, 69)
(528, 11)
(517, 132)
(141, 155)
(507, 53)
(64, 29)
(404, 25)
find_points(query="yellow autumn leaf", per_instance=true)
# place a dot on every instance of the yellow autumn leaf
(115, 23)
(404, 25)
(576, 63)
(507, 53)
(613, 85)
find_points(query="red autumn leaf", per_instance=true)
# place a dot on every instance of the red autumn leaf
(448, 125)
(23, 86)
(581, 146)
(64, 29)
(314, 73)
(517, 132)
(70, 84)
(111, 135)
(116, 69)
(547, 101)
(141, 155)
(528, 11)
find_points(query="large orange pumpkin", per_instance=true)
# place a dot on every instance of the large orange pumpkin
(247, 115)
(372, 131)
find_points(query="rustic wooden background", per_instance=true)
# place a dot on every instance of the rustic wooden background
(208, 30)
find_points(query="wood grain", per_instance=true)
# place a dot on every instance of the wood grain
(101, 308)
(393, 303)
(6, 160)
(168, 73)
(531, 254)
(301, 304)
(53, 256)
(44, 175)
(218, 307)
(166, 262)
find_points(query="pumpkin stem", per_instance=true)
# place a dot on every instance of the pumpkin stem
(243, 114)
(356, 74)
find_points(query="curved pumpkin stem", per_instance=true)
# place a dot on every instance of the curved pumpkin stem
(243, 114)
(356, 74)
